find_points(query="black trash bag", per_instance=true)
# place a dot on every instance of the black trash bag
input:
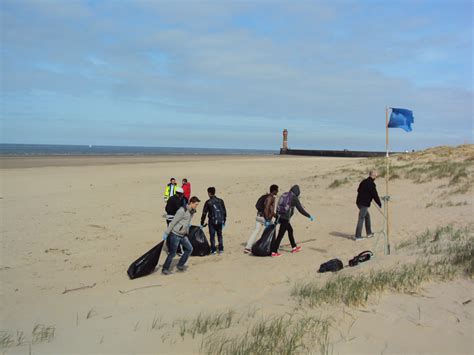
(331, 265)
(199, 242)
(263, 246)
(146, 263)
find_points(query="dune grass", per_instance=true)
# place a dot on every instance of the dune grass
(338, 182)
(8, 339)
(40, 333)
(446, 252)
(43, 333)
(274, 335)
(205, 323)
(446, 204)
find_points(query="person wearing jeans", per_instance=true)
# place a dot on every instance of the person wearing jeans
(178, 231)
(174, 241)
(213, 230)
(366, 192)
(364, 216)
(215, 210)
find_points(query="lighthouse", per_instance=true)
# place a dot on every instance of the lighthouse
(284, 147)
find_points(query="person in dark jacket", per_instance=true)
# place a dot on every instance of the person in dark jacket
(215, 208)
(366, 192)
(173, 204)
(284, 220)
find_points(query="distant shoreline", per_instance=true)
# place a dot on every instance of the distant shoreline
(41, 161)
(46, 150)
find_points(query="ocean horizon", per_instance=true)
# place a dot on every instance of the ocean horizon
(11, 149)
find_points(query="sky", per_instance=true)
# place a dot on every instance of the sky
(234, 74)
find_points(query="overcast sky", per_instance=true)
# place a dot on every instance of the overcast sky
(234, 74)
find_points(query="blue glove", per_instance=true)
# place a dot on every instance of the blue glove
(165, 236)
(311, 218)
(223, 225)
(201, 226)
(267, 223)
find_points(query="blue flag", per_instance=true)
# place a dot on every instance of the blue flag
(401, 118)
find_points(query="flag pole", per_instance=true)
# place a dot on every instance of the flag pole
(387, 244)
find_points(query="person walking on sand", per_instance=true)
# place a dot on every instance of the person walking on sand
(170, 189)
(177, 232)
(186, 188)
(366, 192)
(215, 208)
(265, 212)
(285, 210)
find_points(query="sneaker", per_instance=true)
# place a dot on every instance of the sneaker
(371, 235)
(220, 252)
(166, 272)
(213, 252)
(295, 249)
(247, 251)
(358, 239)
(182, 268)
(276, 255)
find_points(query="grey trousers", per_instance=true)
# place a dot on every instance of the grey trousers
(259, 223)
(363, 216)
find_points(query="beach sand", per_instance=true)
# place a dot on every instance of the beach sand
(71, 227)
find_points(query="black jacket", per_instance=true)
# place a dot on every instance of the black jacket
(173, 204)
(295, 202)
(207, 209)
(366, 192)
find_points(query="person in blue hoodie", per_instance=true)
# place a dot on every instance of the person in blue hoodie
(285, 210)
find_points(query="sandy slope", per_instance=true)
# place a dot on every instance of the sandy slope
(64, 227)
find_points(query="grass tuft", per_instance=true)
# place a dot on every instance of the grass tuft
(205, 323)
(43, 333)
(338, 182)
(275, 335)
(6, 339)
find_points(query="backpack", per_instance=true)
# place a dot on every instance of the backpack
(284, 203)
(364, 256)
(260, 205)
(331, 265)
(216, 213)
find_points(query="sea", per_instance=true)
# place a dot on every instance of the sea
(7, 149)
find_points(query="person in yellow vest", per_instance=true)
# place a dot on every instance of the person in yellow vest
(170, 189)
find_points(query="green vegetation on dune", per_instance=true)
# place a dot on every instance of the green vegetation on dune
(455, 164)
(274, 335)
(445, 252)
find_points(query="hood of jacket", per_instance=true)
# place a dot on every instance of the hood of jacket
(296, 190)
